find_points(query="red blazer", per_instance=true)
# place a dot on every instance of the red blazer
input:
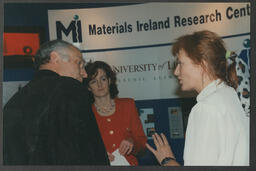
(124, 123)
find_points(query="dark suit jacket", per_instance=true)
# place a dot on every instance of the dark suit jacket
(50, 122)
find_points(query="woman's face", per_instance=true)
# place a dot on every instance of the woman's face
(99, 86)
(188, 73)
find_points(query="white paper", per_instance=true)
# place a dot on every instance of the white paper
(119, 159)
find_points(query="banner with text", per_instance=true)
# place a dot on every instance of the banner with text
(136, 40)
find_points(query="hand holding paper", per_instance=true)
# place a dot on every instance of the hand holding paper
(119, 160)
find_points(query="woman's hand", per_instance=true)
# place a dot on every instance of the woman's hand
(163, 148)
(126, 147)
(111, 157)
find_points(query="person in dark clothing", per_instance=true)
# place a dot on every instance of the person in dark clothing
(50, 121)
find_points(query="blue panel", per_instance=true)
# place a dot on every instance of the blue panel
(161, 117)
(18, 74)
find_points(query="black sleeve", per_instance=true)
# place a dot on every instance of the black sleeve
(69, 133)
(52, 124)
(14, 151)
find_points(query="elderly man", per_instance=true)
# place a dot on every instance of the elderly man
(49, 121)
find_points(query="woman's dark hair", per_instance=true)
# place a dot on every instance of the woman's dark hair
(92, 71)
(209, 47)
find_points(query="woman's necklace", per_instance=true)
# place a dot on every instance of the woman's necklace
(105, 110)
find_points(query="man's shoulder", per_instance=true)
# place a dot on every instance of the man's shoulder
(71, 87)
(42, 89)
(58, 84)
(46, 79)
(68, 82)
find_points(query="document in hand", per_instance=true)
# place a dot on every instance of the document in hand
(119, 159)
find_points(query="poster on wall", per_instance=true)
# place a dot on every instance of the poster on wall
(20, 46)
(147, 120)
(175, 122)
(136, 40)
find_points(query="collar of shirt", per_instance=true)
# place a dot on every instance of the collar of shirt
(209, 89)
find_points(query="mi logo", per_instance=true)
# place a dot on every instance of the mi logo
(74, 27)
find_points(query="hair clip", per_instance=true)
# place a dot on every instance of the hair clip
(228, 53)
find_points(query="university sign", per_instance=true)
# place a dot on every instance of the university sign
(136, 40)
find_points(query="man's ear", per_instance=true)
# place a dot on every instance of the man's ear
(54, 57)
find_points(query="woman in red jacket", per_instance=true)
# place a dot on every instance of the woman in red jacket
(117, 118)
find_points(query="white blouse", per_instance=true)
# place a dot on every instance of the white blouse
(218, 130)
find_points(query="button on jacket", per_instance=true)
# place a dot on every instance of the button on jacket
(123, 124)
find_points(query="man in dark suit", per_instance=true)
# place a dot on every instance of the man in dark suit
(50, 121)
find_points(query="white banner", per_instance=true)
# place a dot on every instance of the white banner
(136, 39)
